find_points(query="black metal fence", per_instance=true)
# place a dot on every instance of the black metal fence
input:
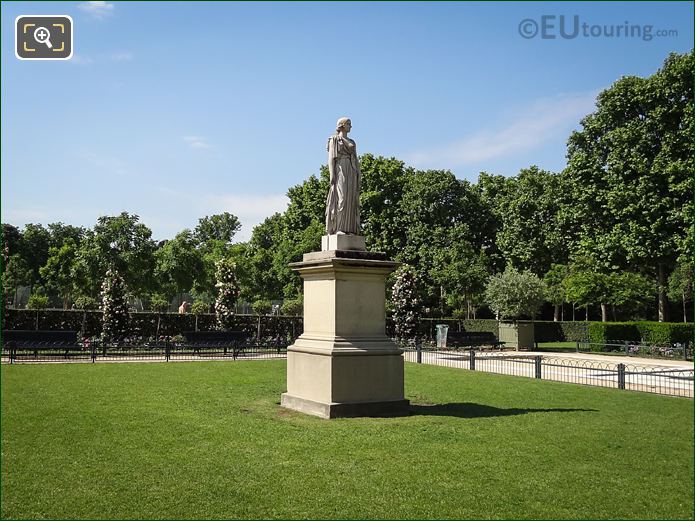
(669, 380)
(673, 380)
(162, 351)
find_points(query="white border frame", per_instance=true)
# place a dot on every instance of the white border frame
(72, 38)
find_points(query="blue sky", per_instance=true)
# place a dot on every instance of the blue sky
(177, 110)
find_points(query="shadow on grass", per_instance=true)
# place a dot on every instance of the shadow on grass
(477, 410)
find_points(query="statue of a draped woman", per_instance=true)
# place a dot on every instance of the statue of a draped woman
(343, 201)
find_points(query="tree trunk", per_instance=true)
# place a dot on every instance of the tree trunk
(586, 313)
(562, 313)
(573, 310)
(663, 299)
(615, 317)
(604, 312)
(685, 315)
(556, 315)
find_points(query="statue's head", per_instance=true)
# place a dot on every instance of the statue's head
(343, 124)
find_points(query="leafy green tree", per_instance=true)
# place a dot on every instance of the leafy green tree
(120, 242)
(15, 274)
(60, 233)
(262, 307)
(430, 207)
(293, 307)
(532, 236)
(58, 272)
(37, 301)
(680, 285)
(200, 308)
(515, 294)
(114, 307)
(159, 303)
(220, 227)
(383, 185)
(179, 264)
(11, 239)
(628, 291)
(263, 278)
(555, 290)
(585, 287)
(630, 168)
(34, 247)
(460, 271)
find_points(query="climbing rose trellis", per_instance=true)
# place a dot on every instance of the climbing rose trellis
(115, 307)
(227, 293)
(406, 305)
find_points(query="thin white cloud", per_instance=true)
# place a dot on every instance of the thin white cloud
(80, 59)
(97, 9)
(121, 56)
(525, 131)
(196, 142)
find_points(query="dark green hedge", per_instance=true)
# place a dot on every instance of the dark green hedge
(170, 324)
(150, 325)
(647, 332)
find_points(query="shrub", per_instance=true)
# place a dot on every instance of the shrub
(37, 301)
(159, 304)
(85, 303)
(482, 325)
(612, 333)
(574, 331)
(293, 307)
(262, 307)
(646, 332)
(200, 308)
(664, 332)
(514, 294)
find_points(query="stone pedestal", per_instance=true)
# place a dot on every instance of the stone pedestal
(344, 364)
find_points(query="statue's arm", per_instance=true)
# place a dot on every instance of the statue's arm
(330, 147)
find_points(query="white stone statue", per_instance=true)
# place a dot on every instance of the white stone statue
(343, 201)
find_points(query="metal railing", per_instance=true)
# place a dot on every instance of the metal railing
(162, 351)
(668, 380)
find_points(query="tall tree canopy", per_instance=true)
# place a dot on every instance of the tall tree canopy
(630, 168)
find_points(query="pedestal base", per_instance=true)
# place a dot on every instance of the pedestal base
(345, 410)
(344, 364)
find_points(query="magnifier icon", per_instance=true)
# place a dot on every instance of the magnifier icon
(43, 35)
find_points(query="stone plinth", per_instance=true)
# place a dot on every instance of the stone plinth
(344, 364)
(341, 241)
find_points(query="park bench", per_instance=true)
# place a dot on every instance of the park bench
(201, 340)
(40, 341)
(458, 339)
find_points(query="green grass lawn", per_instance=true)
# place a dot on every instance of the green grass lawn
(209, 440)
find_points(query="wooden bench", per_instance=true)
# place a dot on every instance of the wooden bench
(198, 340)
(458, 339)
(35, 341)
